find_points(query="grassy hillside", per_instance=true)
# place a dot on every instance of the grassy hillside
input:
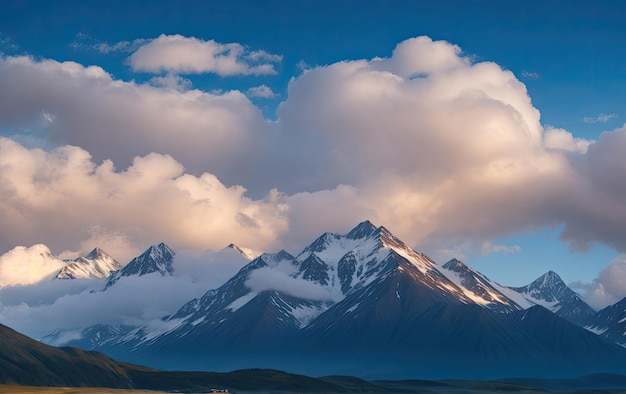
(25, 361)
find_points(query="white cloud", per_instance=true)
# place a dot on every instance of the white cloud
(131, 301)
(48, 305)
(84, 41)
(531, 75)
(120, 46)
(172, 81)
(489, 248)
(262, 91)
(27, 265)
(190, 55)
(119, 120)
(602, 118)
(422, 56)
(264, 279)
(60, 195)
(555, 138)
(609, 287)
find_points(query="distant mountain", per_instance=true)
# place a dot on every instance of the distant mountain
(548, 290)
(88, 338)
(610, 322)
(483, 290)
(551, 292)
(366, 304)
(95, 265)
(239, 250)
(24, 361)
(157, 258)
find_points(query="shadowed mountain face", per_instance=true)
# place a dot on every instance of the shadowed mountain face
(610, 322)
(29, 362)
(24, 361)
(366, 304)
(158, 258)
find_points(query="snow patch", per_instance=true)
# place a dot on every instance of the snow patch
(241, 301)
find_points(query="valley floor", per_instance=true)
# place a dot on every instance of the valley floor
(430, 390)
(68, 390)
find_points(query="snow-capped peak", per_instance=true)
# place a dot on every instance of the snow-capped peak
(482, 290)
(247, 254)
(96, 253)
(362, 230)
(157, 258)
(455, 265)
(549, 287)
(273, 259)
(160, 252)
(97, 264)
(551, 292)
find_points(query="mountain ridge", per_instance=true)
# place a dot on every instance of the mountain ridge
(362, 303)
(156, 259)
(97, 264)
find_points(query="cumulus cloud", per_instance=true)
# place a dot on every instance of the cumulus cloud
(190, 55)
(172, 81)
(609, 287)
(262, 91)
(595, 208)
(62, 194)
(26, 265)
(555, 138)
(602, 118)
(119, 120)
(421, 56)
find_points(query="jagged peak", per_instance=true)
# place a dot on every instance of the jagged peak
(274, 258)
(549, 278)
(159, 251)
(96, 253)
(362, 230)
(236, 248)
(320, 243)
(233, 246)
(455, 265)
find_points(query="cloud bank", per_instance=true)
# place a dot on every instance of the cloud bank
(44, 305)
(441, 149)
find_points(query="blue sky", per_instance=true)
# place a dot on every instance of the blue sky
(568, 55)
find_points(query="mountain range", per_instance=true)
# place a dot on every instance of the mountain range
(364, 304)
(24, 361)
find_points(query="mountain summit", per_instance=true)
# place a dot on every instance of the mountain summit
(97, 264)
(551, 292)
(157, 258)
